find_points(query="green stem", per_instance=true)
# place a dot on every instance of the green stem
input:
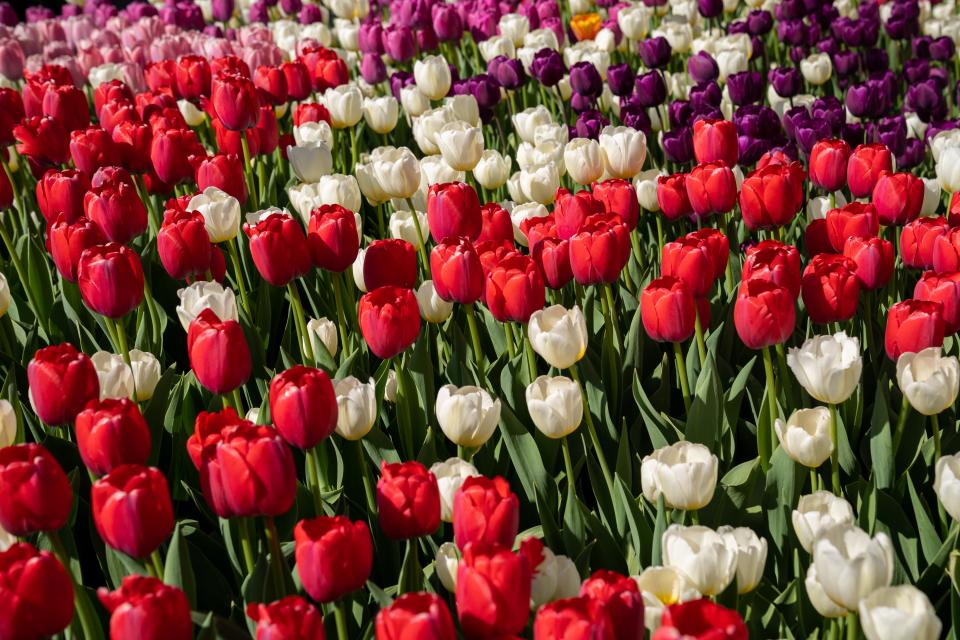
(124, 349)
(406, 436)
(237, 401)
(853, 626)
(660, 240)
(935, 427)
(246, 544)
(421, 239)
(247, 175)
(814, 480)
(592, 430)
(340, 615)
(475, 338)
(764, 441)
(701, 343)
(276, 556)
(85, 612)
(300, 319)
(835, 454)
(157, 563)
(341, 314)
(612, 315)
(238, 272)
(367, 479)
(901, 424)
(682, 375)
(568, 465)
(312, 475)
(511, 346)
(531, 357)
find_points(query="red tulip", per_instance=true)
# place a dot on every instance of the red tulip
(35, 494)
(667, 310)
(326, 68)
(219, 354)
(93, 148)
(689, 260)
(828, 164)
(68, 105)
(234, 102)
(389, 320)
(514, 289)
(853, 220)
(111, 177)
(816, 238)
(618, 198)
(279, 248)
(297, 76)
(897, 198)
(245, 469)
(131, 509)
(700, 620)
(229, 64)
(162, 76)
(830, 288)
(621, 601)
(37, 593)
(62, 193)
(770, 197)
(573, 619)
(310, 112)
(333, 238)
(763, 314)
(303, 406)
(945, 289)
(774, 261)
(62, 381)
(11, 113)
(111, 433)
(672, 196)
(271, 85)
(172, 151)
(485, 510)
(117, 210)
(6, 191)
(133, 141)
(144, 608)
(391, 262)
(715, 141)
(457, 272)
(552, 256)
(874, 258)
(334, 556)
(115, 113)
(268, 130)
(599, 252)
(913, 325)
(290, 618)
(408, 500)
(718, 247)
(111, 279)
(493, 591)
(918, 239)
(946, 251)
(110, 90)
(535, 229)
(711, 188)
(497, 226)
(571, 210)
(193, 77)
(415, 616)
(225, 172)
(866, 164)
(453, 209)
(43, 141)
(183, 244)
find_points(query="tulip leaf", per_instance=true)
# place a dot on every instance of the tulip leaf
(524, 454)
(120, 565)
(659, 527)
(574, 531)
(641, 536)
(929, 538)
(658, 430)
(177, 568)
(38, 274)
(881, 441)
(703, 420)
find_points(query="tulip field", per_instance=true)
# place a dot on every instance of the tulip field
(481, 319)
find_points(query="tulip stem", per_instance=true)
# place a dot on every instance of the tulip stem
(531, 357)
(901, 424)
(85, 613)
(682, 375)
(246, 544)
(935, 427)
(659, 219)
(238, 271)
(312, 476)
(341, 314)
(340, 615)
(475, 338)
(568, 465)
(592, 430)
(276, 556)
(511, 346)
(764, 442)
(421, 240)
(612, 315)
(299, 318)
(835, 452)
(853, 626)
(21, 273)
(247, 174)
(701, 343)
(157, 563)
(367, 480)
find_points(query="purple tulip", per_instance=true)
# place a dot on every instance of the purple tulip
(634, 116)
(650, 89)
(830, 109)
(707, 94)
(678, 145)
(702, 67)
(585, 79)
(37, 14)
(222, 10)
(808, 132)
(655, 52)
(291, 7)
(485, 89)
(745, 87)
(710, 8)
(399, 80)
(310, 14)
(680, 112)
(759, 22)
(853, 133)
(912, 155)
(446, 23)
(483, 24)
(751, 149)
(372, 68)
(794, 117)
(590, 124)
(846, 63)
(581, 103)
(757, 121)
(943, 49)
(369, 37)
(926, 99)
(791, 32)
(891, 132)
(398, 42)
(8, 15)
(786, 81)
(508, 72)
(620, 78)
(547, 67)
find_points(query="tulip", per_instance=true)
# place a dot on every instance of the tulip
(408, 500)
(356, 407)
(690, 261)
(672, 196)
(467, 415)
(279, 249)
(571, 618)
(485, 510)
(583, 160)
(43, 140)
(35, 494)
(853, 220)
(898, 198)
(623, 151)
(117, 210)
(345, 104)
(806, 436)
(205, 295)
(218, 350)
(830, 288)
(711, 188)
(774, 262)
(865, 166)
(415, 616)
(115, 377)
(912, 326)
(851, 565)
(398, 172)
(433, 308)
(93, 148)
(945, 289)
(132, 510)
(286, 619)
(323, 333)
(619, 600)
(461, 145)
(389, 263)
(929, 380)
(514, 289)
(61, 382)
(817, 512)
(457, 272)
(684, 473)
(555, 405)
(946, 484)
(332, 237)
(183, 244)
(493, 591)
(146, 374)
(903, 611)
(771, 196)
(453, 210)
(37, 592)
(171, 151)
(828, 367)
(828, 164)
(234, 102)
(245, 469)
(220, 211)
(145, 607)
(874, 258)
(700, 619)
(751, 556)
(572, 210)
(493, 169)
(310, 162)
(662, 587)
(667, 310)
(303, 406)
(701, 555)
(381, 113)
(389, 320)
(599, 252)
(618, 198)
(818, 597)
(62, 193)
(111, 433)
(559, 335)
(714, 141)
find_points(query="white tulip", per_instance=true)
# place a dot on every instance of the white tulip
(220, 211)
(403, 227)
(8, 424)
(467, 415)
(731, 62)
(946, 484)
(816, 68)
(540, 184)
(253, 415)
(310, 162)
(451, 474)
(206, 295)
(356, 407)
(390, 389)
(313, 133)
(555, 405)
(606, 40)
(427, 125)
(685, 473)
(751, 552)
(819, 598)
(929, 380)
(701, 555)
(345, 104)
(515, 27)
(805, 436)
(105, 73)
(116, 378)
(828, 367)
(948, 169)
(7, 539)
(369, 184)
(531, 156)
(461, 145)
(348, 34)
(192, 115)
(678, 34)
(523, 212)
(568, 578)
(4, 295)
(349, 9)
(340, 189)
(583, 159)
(817, 512)
(146, 373)
(818, 207)
(526, 122)
(931, 197)
(544, 584)
(398, 172)
(433, 308)
(892, 613)
(323, 332)
(497, 46)
(432, 75)
(435, 170)
(446, 565)
(634, 21)
(515, 190)
(851, 564)
(551, 132)
(559, 335)
(381, 113)
(542, 38)
(660, 588)
(645, 183)
(624, 150)
(413, 101)
(357, 270)
(493, 169)
(464, 109)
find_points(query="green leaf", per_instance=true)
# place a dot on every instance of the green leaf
(703, 423)
(659, 527)
(177, 568)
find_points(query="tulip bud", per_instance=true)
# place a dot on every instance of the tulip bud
(583, 160)
(891, 610)
(8, 424)
(206, 295)
(830, 288)
(408, 500)
(61, 382)
(35, 494)
(39, 592)
(446, 565)
(874, 258)
(619, 600)
(689, 260)
(929, 380)
(292, 616)
(485, 510)
(711, 189)
(572, 617)
(418, 615)
(623, 150)
(218, 350)
(132, 510)
(467, 415)
(493, 591)
(828, 164)
(685, 473)
(117, 210)
(144, 607)
(381, 113)
(805, 436)
(279, 249)
(817, 512)
(912, 326)
(433, 308)
(321, 544)
(115, 377)
(457, 272)
(451, 475)
(460, 144)
(599, 252)
(945, 289)
(865, 166)
(946, 484)
(345, 104)
(389, 263)
(828, 367)
(558, 335)
(389, 320)
(672, 198)
(771, 196)
(111, 433)
(699, 617)
(356, 407)
(110, 277)
(303, 406)
(851, 565)
(667, 310)
(555, 405)
(701, 555)
(323, 333)
(220, 211)
(183, 244)
(453, 210)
